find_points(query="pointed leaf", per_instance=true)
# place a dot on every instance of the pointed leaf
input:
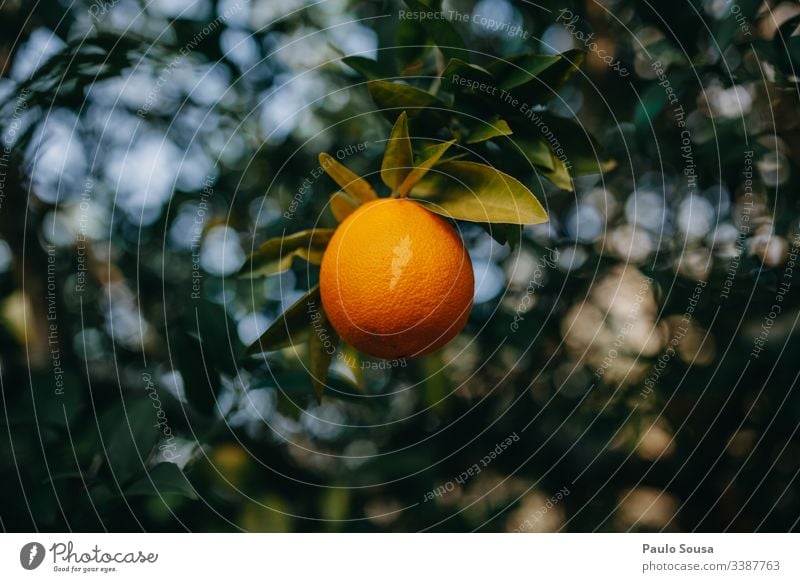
(559, 175)
(342, 205)
(130, 433)
(510, 234)
(193, 357)
(322, 343)
(478, 193)
(581, 153)
(410, 46)
(212, 324)
(366, 67)
(433, 156)
(474, 89)
(163, 479)
(397, 96)
(276, 254)
(349, 369)
(313, 255)
(536, 78)
(571, 150)
(482, 131)
(534, 150)
(398, 158)
(349, 181)
(520, 69)
(441, 31)
(460, 76)
(289, 326)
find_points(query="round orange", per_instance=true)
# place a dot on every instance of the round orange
(396, 280)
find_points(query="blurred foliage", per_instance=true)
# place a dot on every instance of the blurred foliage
(147, 150)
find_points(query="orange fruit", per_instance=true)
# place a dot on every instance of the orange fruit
(396, 280)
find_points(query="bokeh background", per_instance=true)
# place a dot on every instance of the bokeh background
(629, 366)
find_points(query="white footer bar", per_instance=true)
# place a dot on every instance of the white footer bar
(400, 557)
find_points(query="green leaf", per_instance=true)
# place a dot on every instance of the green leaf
(433, 156)
(163, 479)
(441, 31)
(214, 327)
(536, 78)
(480, 130)
(510, 234)
(196, 365)
(276, 254)
(474, 89)
(437, 384)
(559, 175)
(651, 102)
(410, 46)
(342, 206)
(130, 433)
(54, 407)
(559, 148)
(349, 181)
(536, 151)
(67, 476)
(520, 69)
(322, 342)
(289, 326)
(397, 96)
(350, 359)
(460, 76)
(653, 99)
(581, 154)
(478, 193)
(366, 67)
(398, 158)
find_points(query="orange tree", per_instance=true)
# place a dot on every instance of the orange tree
(450, 167)
(147, 152)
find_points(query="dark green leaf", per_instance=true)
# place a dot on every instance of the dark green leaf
(366, 67)
(651, 103)
(163, 479)
(510, 234)
(290, 325)
(410, 46)
(396, 97)
(520, 69)
(460, 76)
(214, 327)
(536, 79)
(195, 360)
(572, 150)
(441, 31)
(322, 342)
(57, 400)
(130, 433)
(535, 151)
(474, 89)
